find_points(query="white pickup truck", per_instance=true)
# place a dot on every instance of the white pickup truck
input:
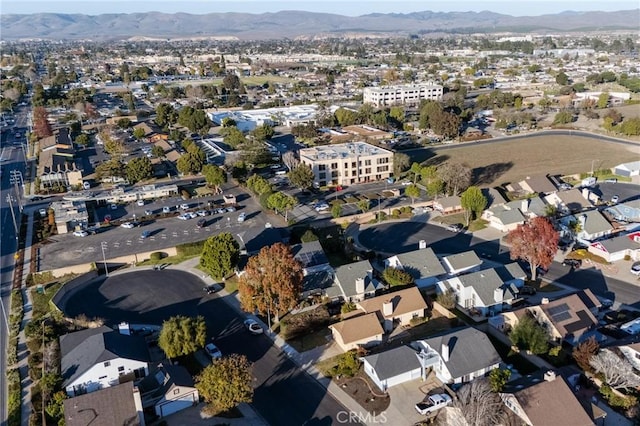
(433, 403)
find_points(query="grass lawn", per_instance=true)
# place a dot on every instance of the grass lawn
(260, 80)
(41, 301)
(583, 254)
(450, 219)
(477, 225)
(310, 341)
(325, 365)
(231, 284)
(172, 260)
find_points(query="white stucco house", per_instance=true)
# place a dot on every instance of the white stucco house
(98, 358)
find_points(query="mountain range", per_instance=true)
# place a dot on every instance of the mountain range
(291, 24)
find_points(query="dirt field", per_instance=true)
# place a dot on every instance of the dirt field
(498, 163)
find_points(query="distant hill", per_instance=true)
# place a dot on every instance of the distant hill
(289, 24)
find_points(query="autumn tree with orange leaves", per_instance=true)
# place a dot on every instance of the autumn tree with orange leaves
(272, 282)
(535, 242)
(41, 126)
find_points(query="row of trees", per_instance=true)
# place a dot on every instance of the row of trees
(449, 178)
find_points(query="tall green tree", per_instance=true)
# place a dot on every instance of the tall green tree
(166, 115)
(263, 133)
(301, 176)
(528, 335)
(214, 176)
(412, 191)
(138, 133)
(182, 335)
(220, 255)
(473, 202)
(416, 169)
(139, 169)
(157, 151)
(226, 383)
(279, 201)
(233, 137)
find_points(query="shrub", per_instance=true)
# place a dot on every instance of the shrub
(308, 236)
(348, 307)
(396, 277)
(555, 351)
(417, 320)
(395, 213)
(348, 365)
(190, 249)
(447, 299)
(616, 400)
(156, 256)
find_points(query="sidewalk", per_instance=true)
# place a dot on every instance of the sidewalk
(304, 361)
(23, 353)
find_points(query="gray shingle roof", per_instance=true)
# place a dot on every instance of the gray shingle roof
(510, 272)
(469, 350)
(594, 222)
(394, 362)
(309, 254)
(81, 350)
(421, 263)
(619, 243)
(107, 407)
(346, 276)
(484, 283)
(463, 260)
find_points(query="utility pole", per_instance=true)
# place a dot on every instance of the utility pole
(13, 215)
(103, 246)
(16, 180)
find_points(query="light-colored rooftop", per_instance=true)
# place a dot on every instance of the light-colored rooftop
(343, 150)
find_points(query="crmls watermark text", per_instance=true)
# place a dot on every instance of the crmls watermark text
(347, 417)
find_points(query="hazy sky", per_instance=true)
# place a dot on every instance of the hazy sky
(350, 8)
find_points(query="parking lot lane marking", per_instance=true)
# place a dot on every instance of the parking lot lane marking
(152, 238)
(128, 242)
(185, 232)
(164, 236)
(175, 234)
(218, 226)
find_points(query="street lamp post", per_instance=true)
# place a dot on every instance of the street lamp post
(592, 161)
(13, 215)
(104, 258)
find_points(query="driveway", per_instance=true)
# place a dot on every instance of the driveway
(405, 396)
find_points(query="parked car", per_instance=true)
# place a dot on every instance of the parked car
(213, 351)
(564, 187)
(573, 263)
(614, 199)
(127, 225)
(455, 227)
(202, 213)
(201, 223)
(184, 217)
(321, 207)
(220, 210)
(241, 217)
(148, 212)
(145, 234)
(184, 206)
(166, 209)
(114, 207)
(635, 268)
(433, 403)
(140, 203)
(253, 326)
(527, 289)
(191, 215)
(42, 212)
(231, 209)
(80, 233)
(210, 289)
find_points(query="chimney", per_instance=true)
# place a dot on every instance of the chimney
(497, 295)
(544, 301)
(123, 328)
(524, 206)
(585, 193)
(445, 352)
(359, 285)
(549, 376)
(422, 244)
(387, 308)
(583, 220)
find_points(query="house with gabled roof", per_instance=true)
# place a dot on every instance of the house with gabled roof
(398, 307)
(461, 262)
(116, 405)
(506, 217)
(168, 389)
(97, 358)
(458, 356)
(318, 273)
(628, 210)
(447, 205)
(423, 265)
(568, 202)
(356, 281)
(393, 367)
(549, 401)
(358, 331)
(618, 248)
(539, 184)
(592, 225)
(483, 292)
(628, 169)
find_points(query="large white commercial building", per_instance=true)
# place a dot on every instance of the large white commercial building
(347, 163)
(401, 95)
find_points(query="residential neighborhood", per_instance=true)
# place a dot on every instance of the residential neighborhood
(401, 226)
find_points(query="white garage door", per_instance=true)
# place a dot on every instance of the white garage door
(170, 407)
(404, 377)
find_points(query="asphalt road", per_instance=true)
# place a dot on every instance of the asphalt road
(13, 160)
(405, 236)
(284, 394)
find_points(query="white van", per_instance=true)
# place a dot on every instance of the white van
(281, 173)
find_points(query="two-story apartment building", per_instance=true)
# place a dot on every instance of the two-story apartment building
(347, 163)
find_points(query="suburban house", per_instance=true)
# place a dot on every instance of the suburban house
(378, 315)
(318, 274)
(506, 217)
(631, 352)
(359, 331)
(447, 205)
(70, 216)
(593, 225)
(254, 238)
(168, 389)
(356, 281)
(570, 318)
(98, 358)
(397, 308)
(461, 262)
(630, 169)
(626, 210)
(533, 185)
(618, 248)
(569, 202)
(393, 367)
(483, 292)
(170, 152)
(458, 356)
(423, 265)
(511, 273)
(116, 405)
(549, 401)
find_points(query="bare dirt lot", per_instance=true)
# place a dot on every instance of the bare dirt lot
(498, 163)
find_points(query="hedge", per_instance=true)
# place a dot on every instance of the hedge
(190, 249)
